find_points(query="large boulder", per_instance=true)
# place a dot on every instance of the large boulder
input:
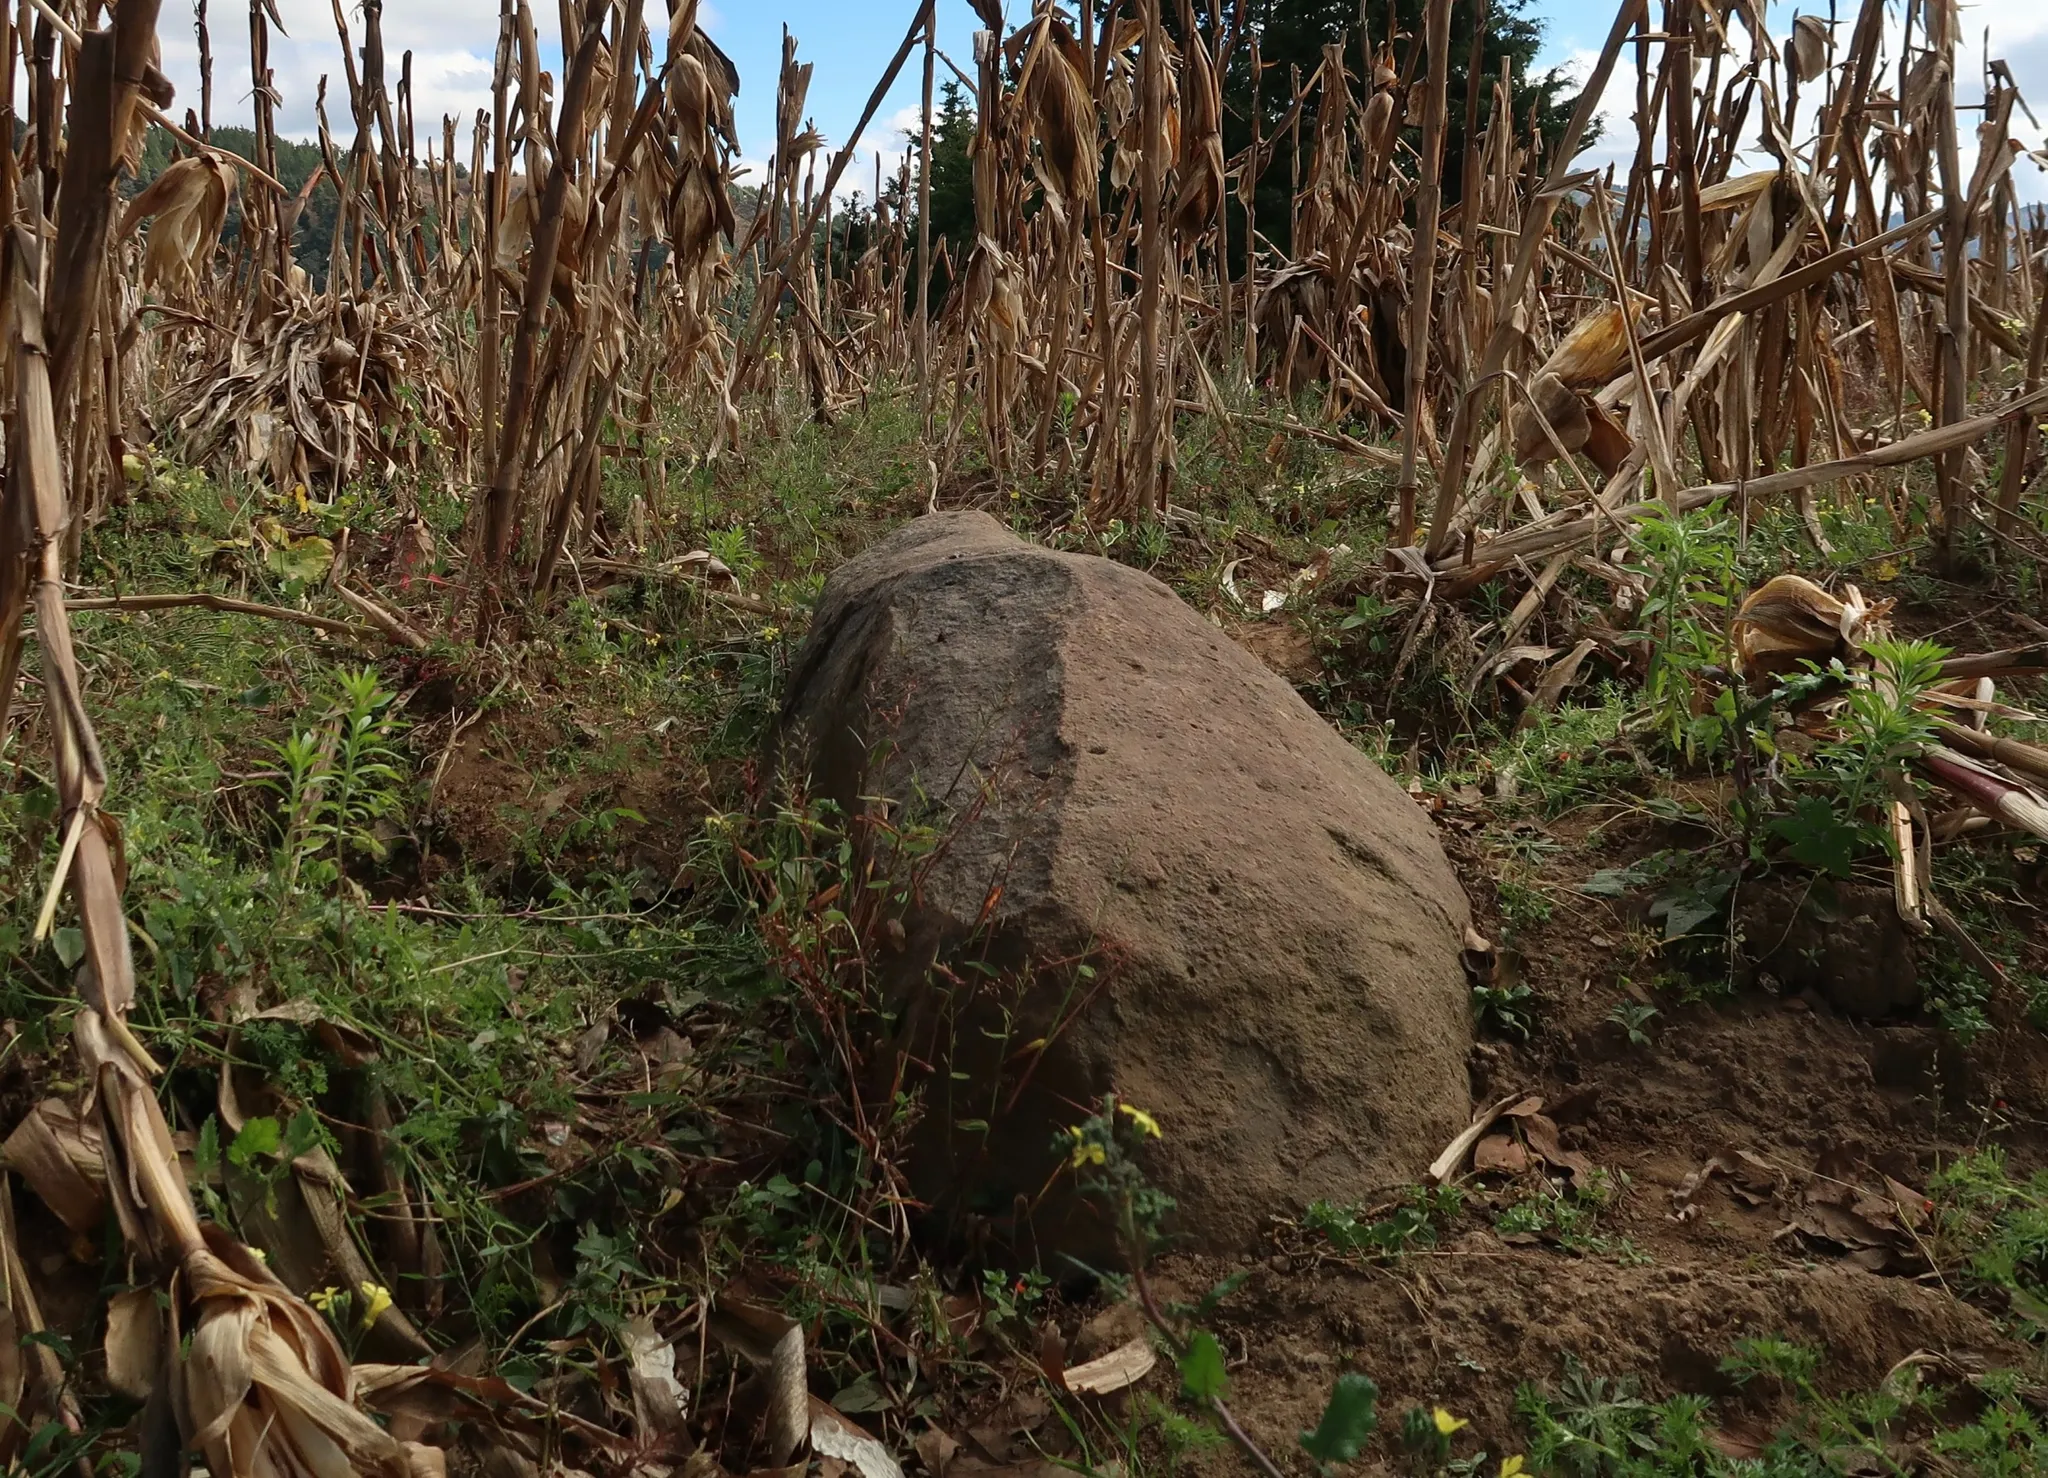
(1162, 875)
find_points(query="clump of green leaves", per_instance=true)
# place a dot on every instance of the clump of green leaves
(1996, 1228)
(1100, 1152)
(1505, 1009)
(1769, 1359)
(1348, 1421)
(1833, 814)
(1634, 1017)
(1419, 1220)
(339, 777)
(1590, 1427)
(1688, 566)
(1569, 1218)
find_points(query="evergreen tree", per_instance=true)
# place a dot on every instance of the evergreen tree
(952, 177)
(1293, 33)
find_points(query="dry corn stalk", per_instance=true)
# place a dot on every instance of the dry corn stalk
(263, 1388)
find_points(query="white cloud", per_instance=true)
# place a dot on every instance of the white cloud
(2017, 32)
(452, 42)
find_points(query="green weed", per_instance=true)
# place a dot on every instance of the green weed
(1418, 1220)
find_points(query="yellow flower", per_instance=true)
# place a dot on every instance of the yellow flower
(1140, 1120)
(1087, 1152)
(376, 1299)
(769, 633)
(1446, 1423)
(324, 1299)
(1511, 1467)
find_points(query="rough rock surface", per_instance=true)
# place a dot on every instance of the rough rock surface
(1269, 927)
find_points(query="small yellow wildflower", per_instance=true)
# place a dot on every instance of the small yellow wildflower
(324, 1299)
(1087, 1152)
(1511, 1467)
(376, 1299)
(1446, 1423)
(1140, 1120)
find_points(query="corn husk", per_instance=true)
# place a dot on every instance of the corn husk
(1790, 620)
(186, 206)
(1059, 112)
(268, 1391)
(1595, 351)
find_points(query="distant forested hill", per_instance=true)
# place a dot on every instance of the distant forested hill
(313, 236)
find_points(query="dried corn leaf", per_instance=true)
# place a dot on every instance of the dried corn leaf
(135, 1341)
(58, 1154)
(1738, 190)
(264, 1369)
(1060, 114)
(1806, 50)
(775, 1346)
(661, 1403)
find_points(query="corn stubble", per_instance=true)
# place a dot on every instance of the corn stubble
(1558, 350)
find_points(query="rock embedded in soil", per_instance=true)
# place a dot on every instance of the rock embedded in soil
(1269, 928)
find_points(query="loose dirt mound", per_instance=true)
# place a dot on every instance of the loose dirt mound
(1206, 900)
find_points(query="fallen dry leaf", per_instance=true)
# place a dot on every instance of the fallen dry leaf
(935, 1450)
(1122, 1368)
(661, 1403)
(1541, 1136)
(832, 1435)
(1500, 1154)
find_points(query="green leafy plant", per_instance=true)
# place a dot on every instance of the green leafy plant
(1348, 1422)
(1996, 1228)
(1100, 1152)
(1769, 1358)
(1634, 1018)
(1418, 1220)
(1832, 818)
(1427, 1434)
(1687, 564)
(1523, 904)
(1505, 1010)
(339, 779)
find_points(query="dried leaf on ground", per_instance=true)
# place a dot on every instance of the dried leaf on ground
(1750, 1179)
(1122, 1368)
(1874, 1229)
(661, 1403)
(832, 1435)
(774, 1345)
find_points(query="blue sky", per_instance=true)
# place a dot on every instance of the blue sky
(850, 41)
